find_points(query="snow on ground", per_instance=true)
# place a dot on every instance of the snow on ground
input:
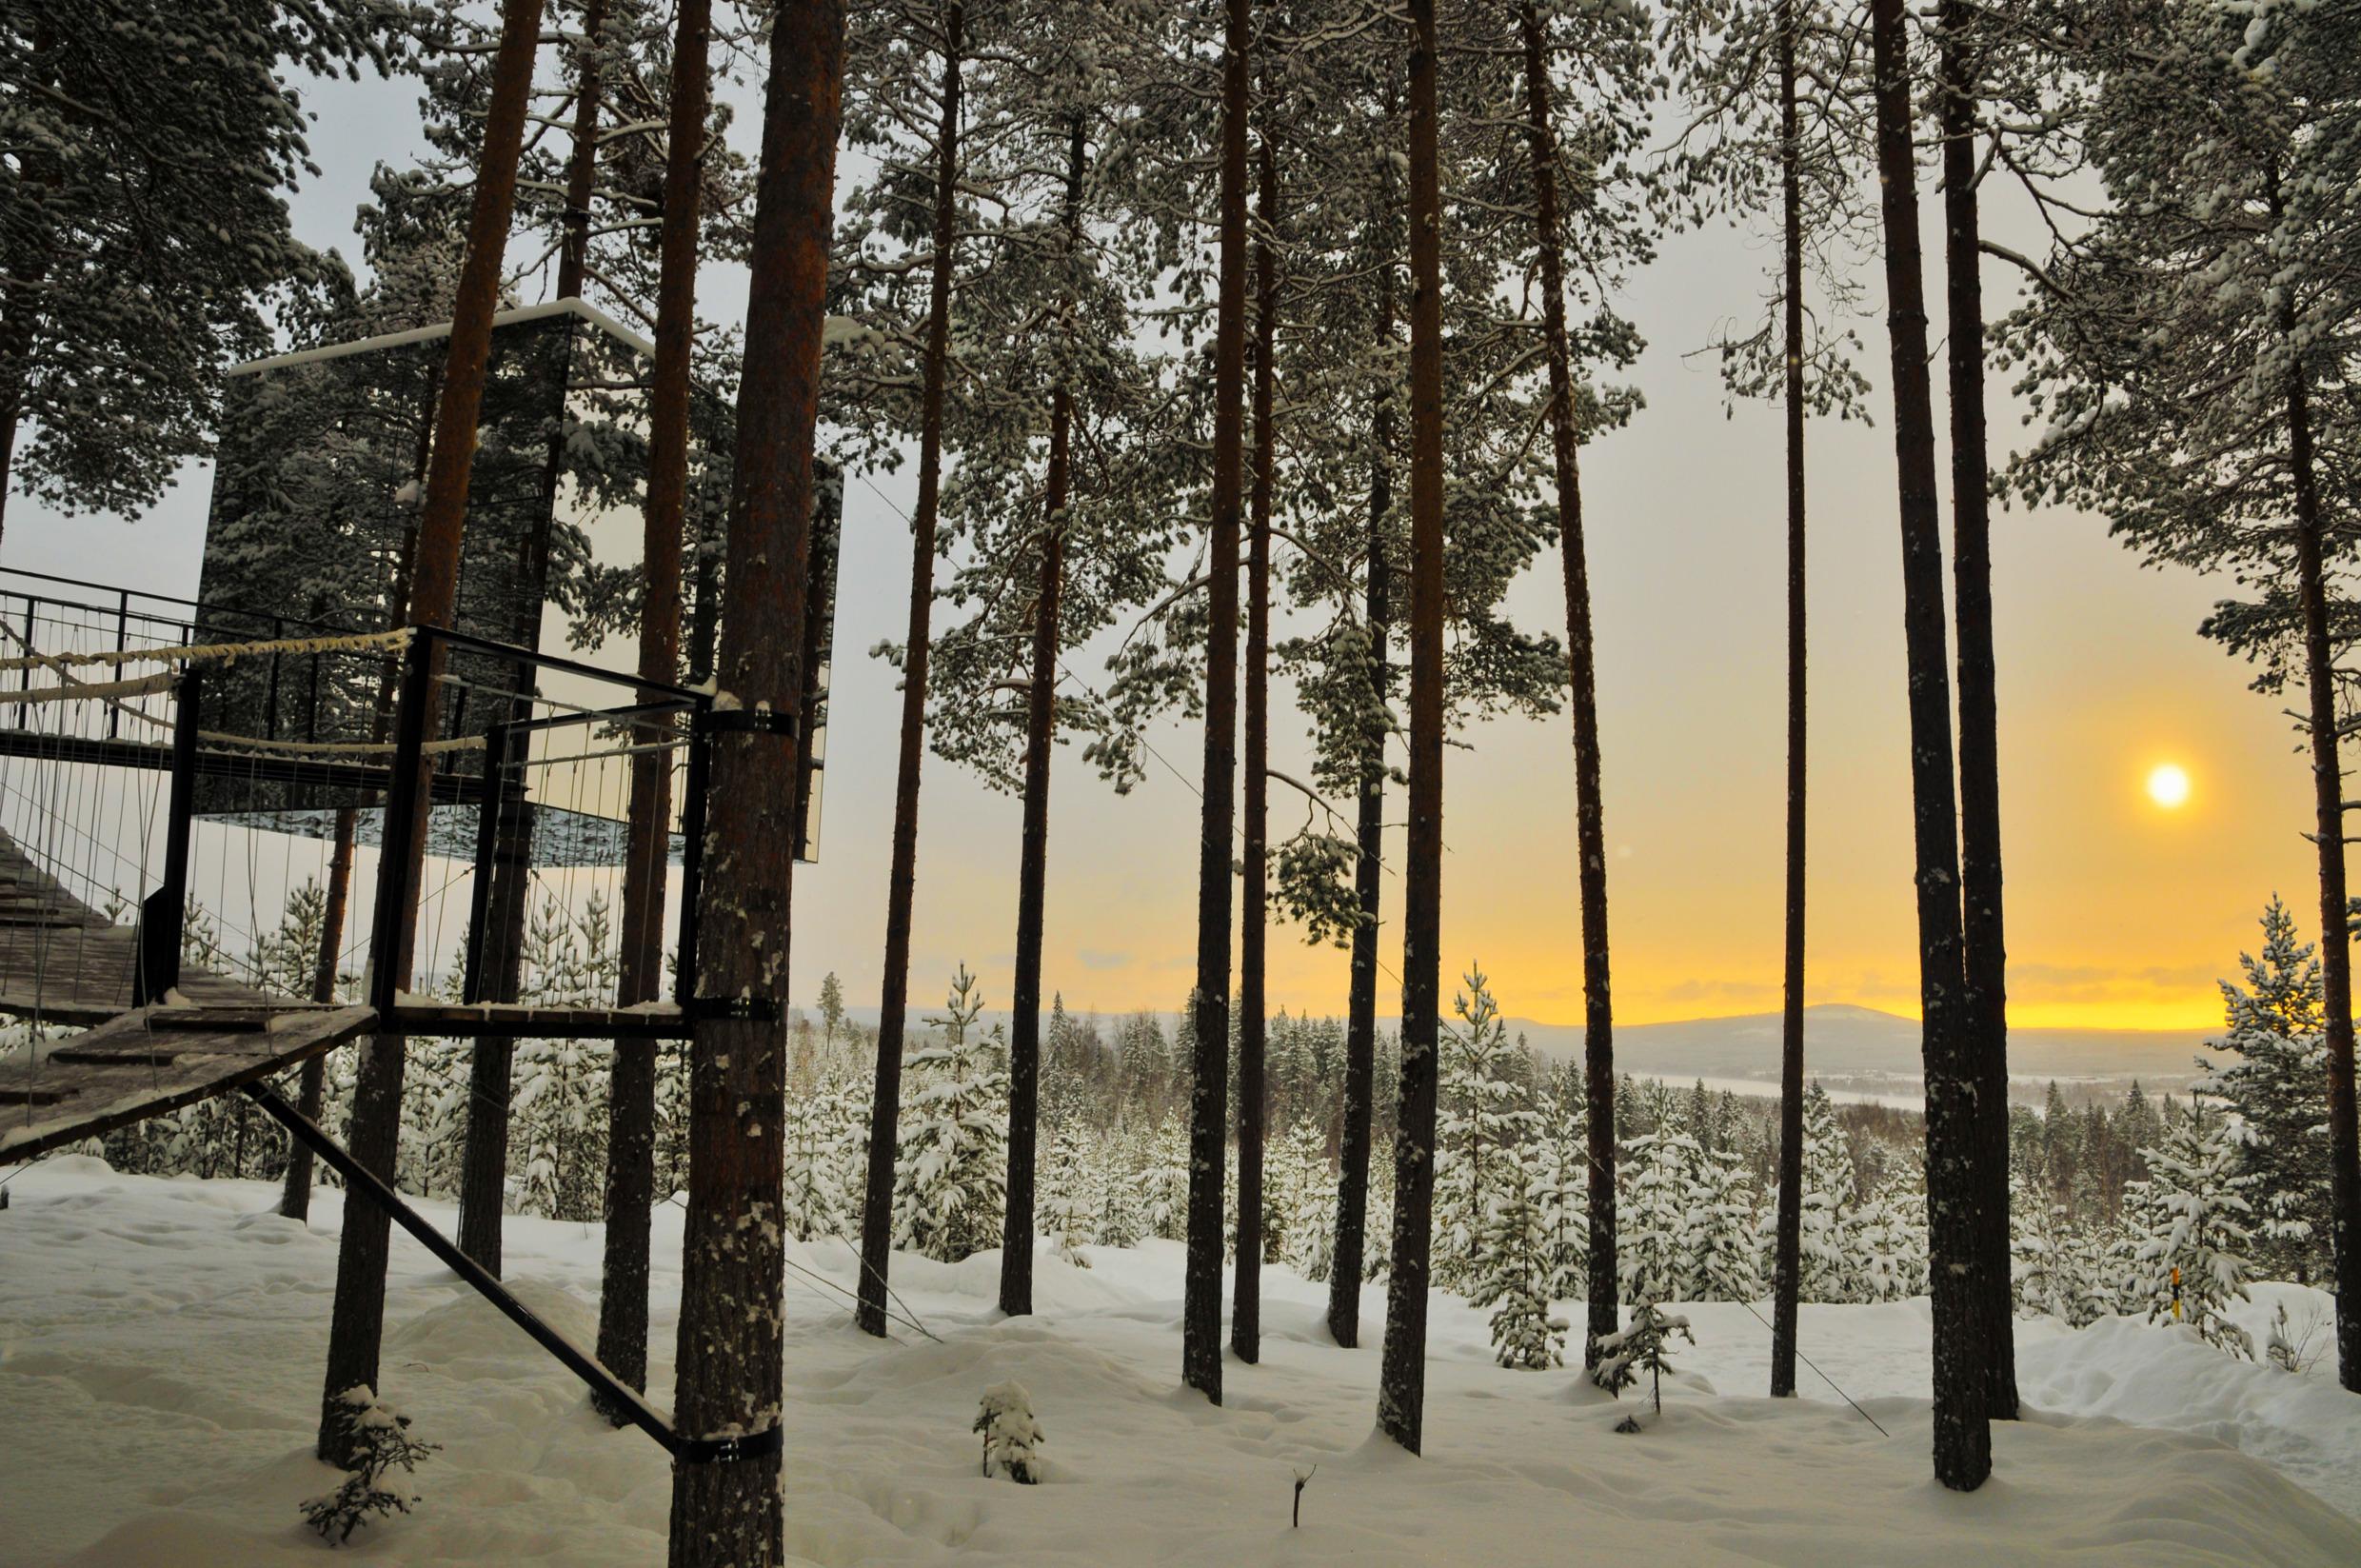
(161, 1341)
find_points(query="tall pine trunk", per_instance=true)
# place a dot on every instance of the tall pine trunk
(484, 1165)
(631, 1084)
(295, 1193)
(733, 1261)
(1787, 1272)
(1402, 1386)
(1360, 1028)
(877, 1216)
(357, 1328)
(1040, 722)
(1590, 811)
(2327, 780)
(1247, 1294)
(1984, 967)
(1200, 1308)
(1962, 1336)
(582, 164)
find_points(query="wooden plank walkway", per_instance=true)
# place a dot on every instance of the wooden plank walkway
(62, 962)
(156, 1060)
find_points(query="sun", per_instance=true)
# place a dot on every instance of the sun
(2168, 786)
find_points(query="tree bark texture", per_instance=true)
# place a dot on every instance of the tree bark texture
(1360, 1028)
(877, 1214)
(1200, 1307)
(733, 1259)
(1787, 1269)
(1962, 1338)
(1041, 725)
(1402, 1387)
(631, 1084)
(1246, 1281)
(358, 1325)
(1589, 813)
(1985, 966)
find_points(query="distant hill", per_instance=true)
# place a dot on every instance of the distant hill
(1842, 1040)
(1843, 1044)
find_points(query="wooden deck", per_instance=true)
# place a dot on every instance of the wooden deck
(150, 1061)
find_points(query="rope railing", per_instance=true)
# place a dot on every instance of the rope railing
(214, 653)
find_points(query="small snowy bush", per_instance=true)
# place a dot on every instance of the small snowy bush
(381, 1443)
(1011, 1436)
(1641, 1347)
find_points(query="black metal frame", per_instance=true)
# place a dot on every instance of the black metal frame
(392, 934)
(359, 1177)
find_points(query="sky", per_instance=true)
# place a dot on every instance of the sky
(2121, 912)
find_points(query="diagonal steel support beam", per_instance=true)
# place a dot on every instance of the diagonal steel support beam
(581, 1363)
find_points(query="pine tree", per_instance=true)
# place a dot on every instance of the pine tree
(146, 227)
(950, 1180)
(1513, 1271)
(1643, 1345)
(2189, 1220)
(1562, 1188)
(2181, 353)
(2275, 1087)
(1069, 1204)
(1482, 1125)
(1723, 1263)
(1828, 1230)
(891, 57)
(1655, 1243)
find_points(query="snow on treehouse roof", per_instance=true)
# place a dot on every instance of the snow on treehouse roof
(569, 307)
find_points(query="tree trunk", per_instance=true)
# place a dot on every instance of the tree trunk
(498, 973)
(1985, 966)
(16, 354)
(295, 1189)
(582, 166)
(1246, 1296)
(1962, 1338)
(733, 1257)
(1787, 1274)
(484, 1165)
(358, 1325)
(1360, 1028)
(631, 1088)
(1209, 1087)
(1402, 1386)
(877, 1216)
(1590, 817)
(1025, 1032)
(295, 1196)
(2328, 834)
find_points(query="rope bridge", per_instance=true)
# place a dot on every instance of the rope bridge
(278, 746)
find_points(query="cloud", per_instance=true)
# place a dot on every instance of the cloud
(1092, 958)
(1696, 990)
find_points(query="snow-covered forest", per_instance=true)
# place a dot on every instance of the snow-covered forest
(1247, 367)
(2163, 1209)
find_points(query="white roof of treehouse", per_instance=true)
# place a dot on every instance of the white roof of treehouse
(569, 307)
(839, 331)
